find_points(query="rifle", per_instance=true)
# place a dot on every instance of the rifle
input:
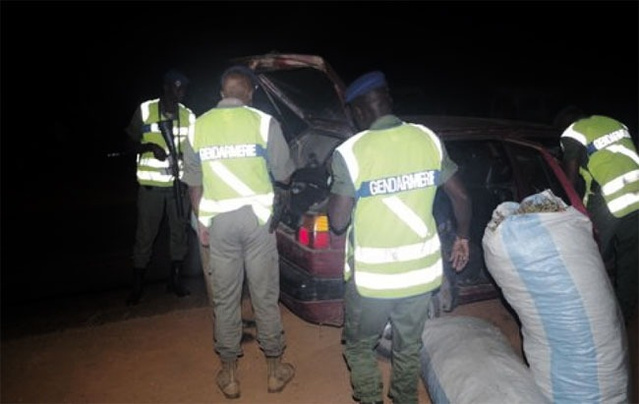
(166, 128)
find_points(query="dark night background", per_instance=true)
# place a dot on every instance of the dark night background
(79, 69)
(73, 73)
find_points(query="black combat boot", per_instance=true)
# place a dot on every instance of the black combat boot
(138, 287)
(175, 280)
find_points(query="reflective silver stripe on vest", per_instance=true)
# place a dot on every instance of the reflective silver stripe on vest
(623, 202)
(182, 131)
(165, 175)
(406, 215)
(261, 209)
(259, 203)
(621, 149)
(154, 176)
(230, 179)
(618, 183)
(146, 110)
(154, 163)
(346, 149)
(179, 132)
(265, 123)
(573, 134)
(373, 255)
(435, 139)
(347, 253)
(377, 281)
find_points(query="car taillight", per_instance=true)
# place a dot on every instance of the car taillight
(313, 232)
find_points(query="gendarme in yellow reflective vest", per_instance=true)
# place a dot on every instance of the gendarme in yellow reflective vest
(395, 246)
(231, 143)
(152, 171)
(612, 161)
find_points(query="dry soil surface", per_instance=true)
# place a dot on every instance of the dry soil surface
(169, 358)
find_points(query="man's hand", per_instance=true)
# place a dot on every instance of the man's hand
(203, 234)
(272, 226)
(158, 152)
(460, 254)
(280, 205)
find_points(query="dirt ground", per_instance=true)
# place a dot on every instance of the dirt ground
(168, 358)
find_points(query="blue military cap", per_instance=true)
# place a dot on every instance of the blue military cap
(364, 84)
(245, 70)
(176, 78)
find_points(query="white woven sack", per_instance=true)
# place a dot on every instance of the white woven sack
(469, 360)
(551, 273)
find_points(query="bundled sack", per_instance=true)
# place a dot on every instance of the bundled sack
(543, 256)
(469, 360)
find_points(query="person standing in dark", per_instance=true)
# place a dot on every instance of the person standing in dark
(158, 130)
(237, 163)
(601, 161)
(384, 183)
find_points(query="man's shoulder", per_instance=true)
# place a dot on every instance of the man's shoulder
(260, 112)
(185, 108)
(205, 115)
(149, 101)
(595, 125)
(386, 122)
(599, 117)
(421, 126)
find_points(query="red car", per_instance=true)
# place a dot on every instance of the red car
(498, 161)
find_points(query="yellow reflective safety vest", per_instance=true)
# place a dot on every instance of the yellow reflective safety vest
(393, 239)
(612, 162)
(231, 143)
(151, 171)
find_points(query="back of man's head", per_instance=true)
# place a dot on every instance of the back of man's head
(176, 78)
(174, 90)
(238, 82)
(567, 116)
(364, 84)
(369, 98)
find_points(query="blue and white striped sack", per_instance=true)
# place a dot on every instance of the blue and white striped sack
(550, 271)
